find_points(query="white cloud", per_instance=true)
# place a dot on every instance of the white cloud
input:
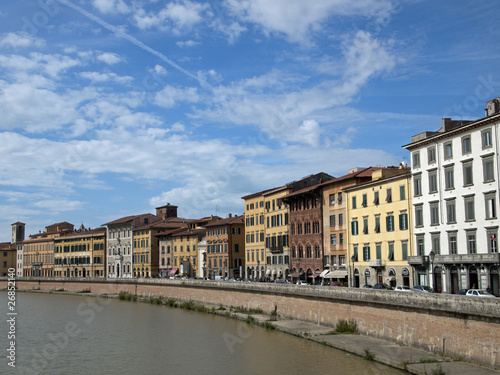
(106, 77)
(109, 58)
(171, 95)
(298, 19)
(111, 6)
(20, 39)
(187, 43)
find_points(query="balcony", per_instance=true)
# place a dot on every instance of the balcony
(276, 249)
(468, 258)
(375, 262)
(418, 260)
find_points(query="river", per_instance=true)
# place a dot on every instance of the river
(64, 334)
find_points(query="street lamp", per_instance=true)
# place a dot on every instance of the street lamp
(298, 268)
(431, 258)
(353, 259)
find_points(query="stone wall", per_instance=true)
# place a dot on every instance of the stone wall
(456, 326)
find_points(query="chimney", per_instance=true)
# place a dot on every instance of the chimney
(229, 215)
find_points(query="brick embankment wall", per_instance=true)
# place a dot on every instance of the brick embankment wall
(456, 326)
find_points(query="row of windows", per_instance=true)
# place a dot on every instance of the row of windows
(376, 197)
(391, 251)
(305, 228)
(222, 262)
(221, 231)
(278, 259)
(451, 215)
(333, 239)
(118, 251)
(119, 233)
(277, 242)
(486, 143)
(333, 220)
(308, 253)
(72, 261)
(470, 242)
(254, 237)
(254, 255)
(449, 176)
(181, 248)
(218, 248)
(332, 260)
(389, 224)
(38, 258)
(141, 243)
(305, 204)
(140, 258)
(332, 200)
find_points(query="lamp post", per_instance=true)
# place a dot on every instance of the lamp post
(298, 269)
(431, 276)
(258, 267)
(353, 284)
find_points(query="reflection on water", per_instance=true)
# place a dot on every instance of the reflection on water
(60, 334)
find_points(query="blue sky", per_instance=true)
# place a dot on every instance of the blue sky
(112, 107)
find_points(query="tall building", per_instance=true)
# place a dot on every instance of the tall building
(455, 173)
(225, 241)
(80, 253)
(119, 244)
(379, 216)
(335, 223)
(18, 234)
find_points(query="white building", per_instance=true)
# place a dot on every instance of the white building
(119, 244)
(455, 176)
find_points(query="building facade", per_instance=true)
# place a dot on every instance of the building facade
(380, 236)
(225, 244)
(455, 173)
(81, 253)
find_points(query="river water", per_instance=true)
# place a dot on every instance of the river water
(64, 334)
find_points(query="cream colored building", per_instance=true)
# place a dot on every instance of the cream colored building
(380, 222)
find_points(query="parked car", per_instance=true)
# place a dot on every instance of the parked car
(462, 292)
(382, 286)
(479, 293)
(367, 286)
(402, 288)
(422, 289)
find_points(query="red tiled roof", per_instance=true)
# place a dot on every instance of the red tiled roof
(228, 221)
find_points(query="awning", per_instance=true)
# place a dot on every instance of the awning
(173, 271)
(337, 274)
(314, 275)
(296, 274)
(324, 273)
(268, 272)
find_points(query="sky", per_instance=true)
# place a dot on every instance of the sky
(110, 108)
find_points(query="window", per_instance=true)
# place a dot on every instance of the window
(378, 250)
(434, 213)
(332, 220)
(469, 208)
(436, 243)
(486, 138)
(366, 253)
(355, 252)
(452, 243)
(451, 216)
(466, 146)
(492, 240)
(448, 150)
(471, 242)
(388, 197)
(449, 178)
(365, 225)
(341, 220)
(403, 221)
(341, 238)
(490, 206)
(420, 245)
(488, 173)
(419, 216)
(416, 159)
(433, 187)
(402, 193)
(333, 239)
(339, 198)
(354, 227)
(377, 224)
(431, 155)
(365, 200)
(417, 185)
(332, 199)
(391, 251)
(467, 167)
(375, 199)
(389, 223)
(353, 202)
(404, 250)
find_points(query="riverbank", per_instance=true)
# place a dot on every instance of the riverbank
(411, 360)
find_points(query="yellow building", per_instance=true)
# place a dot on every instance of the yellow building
(80, 253)
(380, 219)
(8, 256)
(185, 251)
(255, 235)
(277, 233)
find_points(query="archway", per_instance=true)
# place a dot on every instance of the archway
(455, 287)
(438, 281)
(356, 279)
(405, 273)
(473, 280)
(494, 281)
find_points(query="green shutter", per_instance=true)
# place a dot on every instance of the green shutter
(355, 255)
(405, 251)
(378, 249)
(391, 251)
(353, 202)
